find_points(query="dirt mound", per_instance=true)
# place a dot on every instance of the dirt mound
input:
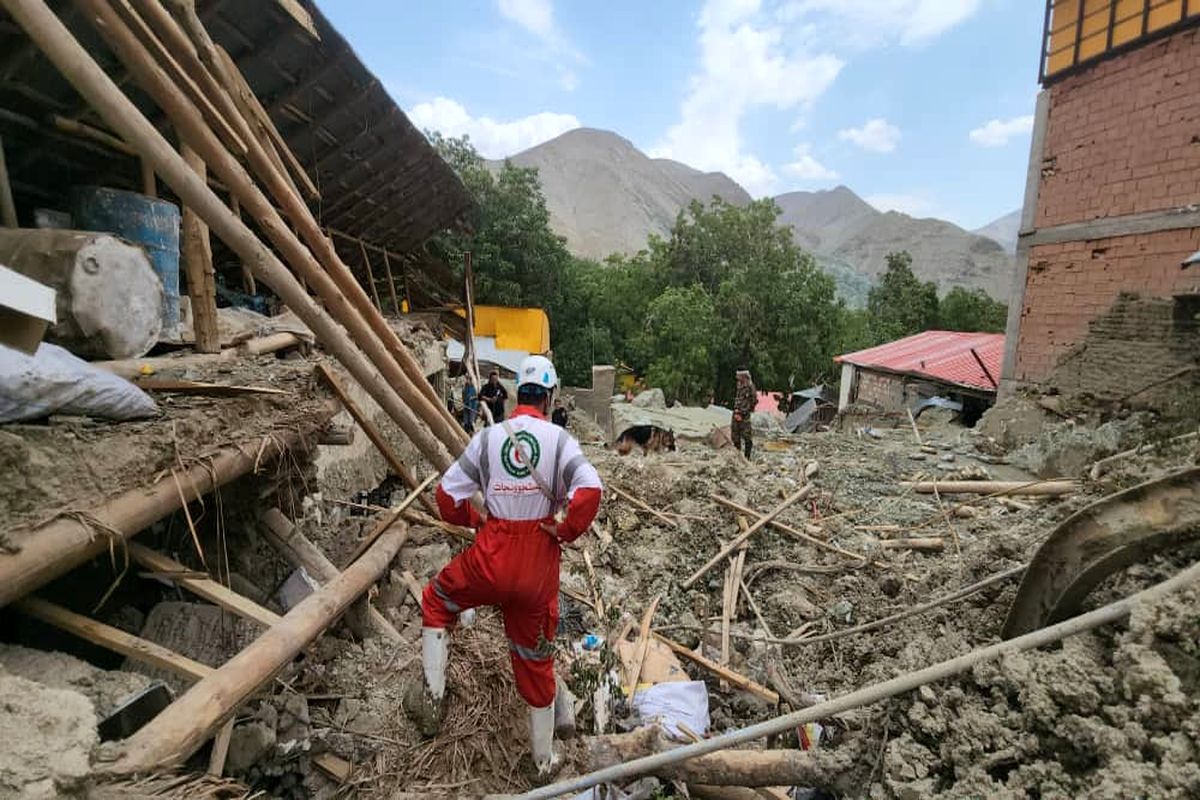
(48, 739)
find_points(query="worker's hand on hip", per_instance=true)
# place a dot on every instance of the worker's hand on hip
(552, 528)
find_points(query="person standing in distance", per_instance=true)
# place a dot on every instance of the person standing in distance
(495, 395)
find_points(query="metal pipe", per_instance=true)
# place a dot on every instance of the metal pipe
(1112, 612)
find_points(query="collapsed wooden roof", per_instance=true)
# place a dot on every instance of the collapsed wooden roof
(379, 179)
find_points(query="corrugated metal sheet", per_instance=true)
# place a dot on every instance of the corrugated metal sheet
(940, 355)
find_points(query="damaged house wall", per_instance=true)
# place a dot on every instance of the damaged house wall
(1110, 211)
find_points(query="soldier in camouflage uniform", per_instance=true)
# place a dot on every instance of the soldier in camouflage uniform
(743, 406)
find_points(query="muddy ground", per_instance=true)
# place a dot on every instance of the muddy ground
(1108, 714)
(1113, 713)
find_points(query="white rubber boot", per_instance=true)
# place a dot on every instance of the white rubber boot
(424, 700)
(541, 740)
(435, 645)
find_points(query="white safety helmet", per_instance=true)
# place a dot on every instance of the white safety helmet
(537, 371)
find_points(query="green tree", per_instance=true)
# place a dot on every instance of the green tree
(677, 339)
(900, 304)
(972, 310)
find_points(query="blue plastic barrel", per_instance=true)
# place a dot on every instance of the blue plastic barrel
(151, 223)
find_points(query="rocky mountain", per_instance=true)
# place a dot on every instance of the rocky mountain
(1004, 231)
(840, 227)
(606, 196)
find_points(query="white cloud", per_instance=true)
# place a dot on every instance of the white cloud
(744, 65)
(784, 55)
(998, 132)
(915, 205)
(537, 17)
(491, 138)
(807, 168)
(877, 135)
(910, 22)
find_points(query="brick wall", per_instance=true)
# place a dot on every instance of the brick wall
(1070, 284)
(1123, 137)
(880, 389)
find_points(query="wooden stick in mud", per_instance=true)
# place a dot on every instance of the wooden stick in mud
(1031, 488)
(725, 501)
(643, 642)
(619, 492)
(932, 544)
(737, 541)
(737, 679)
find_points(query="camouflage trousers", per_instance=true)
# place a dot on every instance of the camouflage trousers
(742, 435)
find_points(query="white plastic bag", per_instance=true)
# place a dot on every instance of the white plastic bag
(53, 381)
(675, 702)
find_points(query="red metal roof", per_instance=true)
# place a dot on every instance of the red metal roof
(941, 355)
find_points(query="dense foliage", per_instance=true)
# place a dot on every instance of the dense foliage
(727, 288)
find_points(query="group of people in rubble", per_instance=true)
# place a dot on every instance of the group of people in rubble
(495, 396)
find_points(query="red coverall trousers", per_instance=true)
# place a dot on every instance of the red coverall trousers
(513, 565)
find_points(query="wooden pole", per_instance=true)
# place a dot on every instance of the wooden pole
(177, 732)
(206, 588)
(247, 276)
(391, 282)
(298, 551)
(196, 252)
(370, 275)
(817, 768)
(87, 77)
(149, 180)
(416, 388)
(375, 435)
(737, 540)
(726, 674)
(619, 492)
(53, 549)
(8, 209)
(114, 639)
(1031, 488)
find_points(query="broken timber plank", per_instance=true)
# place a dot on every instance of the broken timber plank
(737, 541)
(298, 551)
(639, 658)
(738, 680)
(220, 749)
(619, 492)
(1032, 488)
(928, 544)
(335, 767)
(725, 501)
(204, 587)
(114, 639)
(203, 389)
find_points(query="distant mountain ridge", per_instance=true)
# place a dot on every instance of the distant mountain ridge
(606, 196)
(1004, 231)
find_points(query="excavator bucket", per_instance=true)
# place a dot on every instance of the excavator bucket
(1100, 540)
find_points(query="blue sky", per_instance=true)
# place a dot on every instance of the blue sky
(923, 106)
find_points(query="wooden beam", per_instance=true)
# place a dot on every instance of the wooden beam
(176, 733)
(8, 210)
(1030, 488)
(743, 536)
(370, 274)
(619, 492)
(114, 639)
(736, 679)
(298, 551)
(196, 253)
(203, 587)
(391, 283)
(750, 512)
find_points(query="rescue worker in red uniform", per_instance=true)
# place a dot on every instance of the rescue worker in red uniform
(527, 468)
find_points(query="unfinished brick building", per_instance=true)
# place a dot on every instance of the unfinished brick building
(1103, 302)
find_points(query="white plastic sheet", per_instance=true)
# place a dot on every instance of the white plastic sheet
(53, 381)
(675, 702)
